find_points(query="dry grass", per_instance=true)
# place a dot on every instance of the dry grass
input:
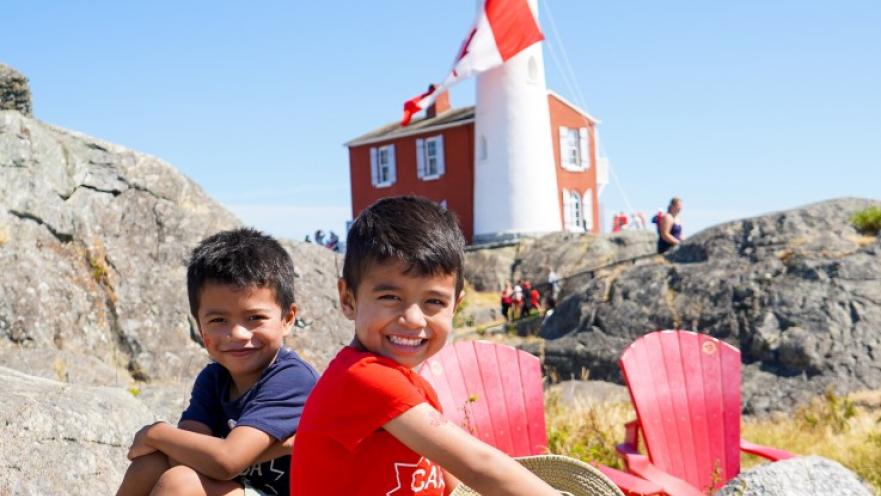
(588, 432)
(847, 430)
(838, 428)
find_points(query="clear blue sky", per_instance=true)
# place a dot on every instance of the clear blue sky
(738, 107)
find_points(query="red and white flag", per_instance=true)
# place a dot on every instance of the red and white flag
(503, 29)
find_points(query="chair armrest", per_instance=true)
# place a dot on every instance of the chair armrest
(631, 434)
(640, 465)
(630, 485)
(772, 454)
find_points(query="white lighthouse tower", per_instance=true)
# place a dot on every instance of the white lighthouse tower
(515, 184)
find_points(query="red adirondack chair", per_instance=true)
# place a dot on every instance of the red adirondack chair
(685, 387)
(495, 392)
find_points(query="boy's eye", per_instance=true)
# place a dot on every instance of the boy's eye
(257, 317)
(435, 301)
(216, 320)
(389, 297)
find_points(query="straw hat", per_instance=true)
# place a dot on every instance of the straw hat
(568, 475)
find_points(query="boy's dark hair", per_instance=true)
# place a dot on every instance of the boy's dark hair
(241, 257)
(414, 230)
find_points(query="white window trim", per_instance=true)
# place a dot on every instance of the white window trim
(582, 148)
(422, 158)
(573, 211)
(375, 166)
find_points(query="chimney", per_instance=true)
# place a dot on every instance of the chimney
(441, 104)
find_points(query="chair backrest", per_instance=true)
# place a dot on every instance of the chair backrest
(685, 387)
(493, 391)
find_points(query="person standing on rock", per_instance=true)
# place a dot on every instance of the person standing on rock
(669, 227)
(235, 436)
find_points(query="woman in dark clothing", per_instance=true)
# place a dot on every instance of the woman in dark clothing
(669, 228)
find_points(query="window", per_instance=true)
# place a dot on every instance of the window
(532, 70)
(573, 214)
(430, 158)
(382, 166)
(573, 148)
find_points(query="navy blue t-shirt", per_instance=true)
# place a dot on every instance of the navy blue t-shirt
(273, 405)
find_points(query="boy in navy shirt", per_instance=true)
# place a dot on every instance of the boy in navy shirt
(235, 436)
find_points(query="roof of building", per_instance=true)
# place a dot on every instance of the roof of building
(451, 118)
(573, 106)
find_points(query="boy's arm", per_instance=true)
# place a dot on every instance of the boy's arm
(277, 450)
(218, 458)
(479, 465)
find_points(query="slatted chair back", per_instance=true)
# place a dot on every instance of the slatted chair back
(685, 387)
(493, 391)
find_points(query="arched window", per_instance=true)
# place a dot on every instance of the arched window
(573, 214)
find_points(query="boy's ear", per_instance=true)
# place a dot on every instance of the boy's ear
(347, 299)
(459, 299)
(290, 317)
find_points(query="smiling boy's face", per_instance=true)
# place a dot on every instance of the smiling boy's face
(404, 317)
(242, 328)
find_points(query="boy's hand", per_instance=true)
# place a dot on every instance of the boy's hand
(140, 446)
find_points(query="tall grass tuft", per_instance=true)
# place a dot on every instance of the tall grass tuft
(588, 432)
(867, 221)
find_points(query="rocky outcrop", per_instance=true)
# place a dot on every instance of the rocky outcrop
(63, 439)
(796, 477)
(15, 94)
(799, 292)
(94, 240)
(95, 334)
(571, 256)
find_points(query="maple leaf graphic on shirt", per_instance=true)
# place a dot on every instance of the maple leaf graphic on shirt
(413, 478)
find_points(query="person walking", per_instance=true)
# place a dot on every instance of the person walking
(669, 227)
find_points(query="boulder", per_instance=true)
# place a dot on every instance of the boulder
(572, 256)
(63, 439)
(94, 241)
(488, 269)
(801, 476)
(799, 292)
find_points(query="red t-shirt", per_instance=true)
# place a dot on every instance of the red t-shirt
(341, 447)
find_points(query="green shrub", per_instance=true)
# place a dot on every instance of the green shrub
(867, 221)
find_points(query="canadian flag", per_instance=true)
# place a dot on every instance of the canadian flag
(503, 29)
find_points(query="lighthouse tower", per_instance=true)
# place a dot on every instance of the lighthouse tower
(515, 186)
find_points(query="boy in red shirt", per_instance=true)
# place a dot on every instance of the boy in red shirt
(372, 426)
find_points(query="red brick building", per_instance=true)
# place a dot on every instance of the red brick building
(434, 157)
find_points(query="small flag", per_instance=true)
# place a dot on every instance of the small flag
(503, 29)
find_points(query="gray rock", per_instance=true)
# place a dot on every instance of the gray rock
(94, 257)
(572, 256)
(803, 476)
(94, 240)
(15, 94)
(63, 439)
(488, 269)
(322, 327)
(575, 393)
(799, 292)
